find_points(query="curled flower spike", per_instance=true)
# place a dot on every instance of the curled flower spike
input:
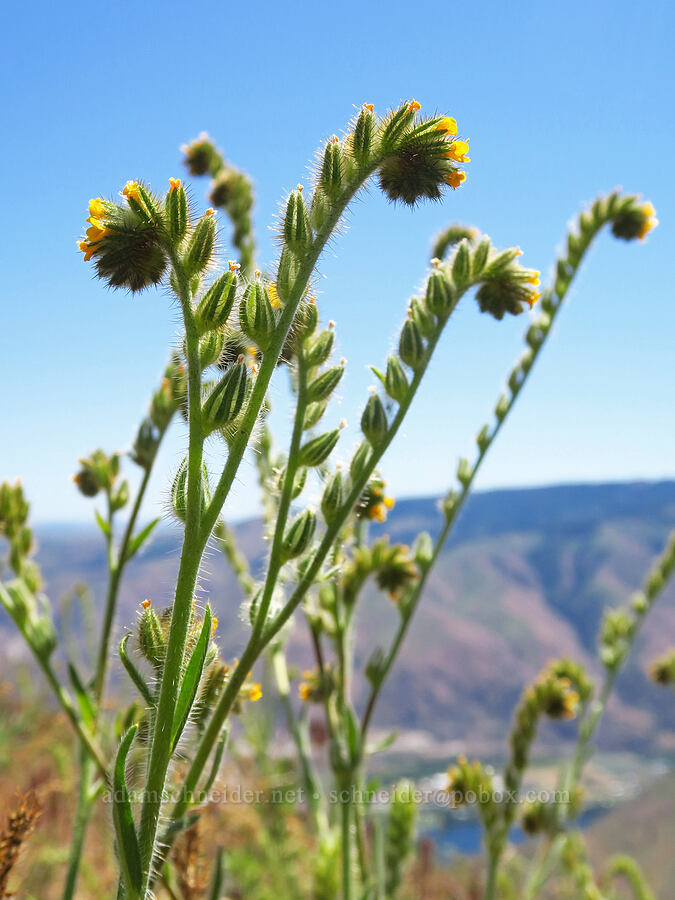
(130, 190)
(458, 151)
(455, 178)
(448, 125)
(174, 184)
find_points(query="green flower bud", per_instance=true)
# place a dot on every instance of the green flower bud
(179, 490)
(298, 482)
(299, 535)
(331, 170)
(321, 387)
(287, 274)
(483, 438)
(210, 348)
(297, 229)
(200, 246)
(333, 497)
(145, 446)
(306, 319)
(425, 320)
(215, 306)
(480, 257)
(224, 402)
(314, 413)
(395, 380)
(256, 315)
(151, 637)
(318, 449)
(177, 210)
(502, 408)
(411, 345)
(362, 138)
(423, 550)
(360, 460)
(464, 472)
(120, 497)
(320, 348)
(461, 265)
(374, 423)
(439, 294)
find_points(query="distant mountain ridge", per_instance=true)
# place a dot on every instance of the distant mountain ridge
(525, 577)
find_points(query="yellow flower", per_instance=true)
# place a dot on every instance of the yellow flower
(304, 691)
(650, 221)
(458, 151)
(96, 208)
(414, 106)
(455, 178)
(435, 262)
(145, 604)
(210, 211)
(533, 297)
(369, 106)
(131, 190)
(174, 183)
(533, 279)
(255, 692)
(273, 295)
(88, 251)
(389, 502)
(378, 513)
(214, 624)
(233, 265)
(97, 230)
(447, 124)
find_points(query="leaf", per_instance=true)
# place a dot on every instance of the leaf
(378, 374)
(102, 524)
(137, 542)
(191, 678)
(84, 701)
(378, 746)
(218, 876)
(134, 674)
(127, 841)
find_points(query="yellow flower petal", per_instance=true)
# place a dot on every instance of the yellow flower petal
(414, 106)
(448, 125)
(96, 208)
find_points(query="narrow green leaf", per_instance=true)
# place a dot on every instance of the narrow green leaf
(125, 830)
(137, 542)
(102, 524)
(84, 701)
(190, 683)
(134, 674)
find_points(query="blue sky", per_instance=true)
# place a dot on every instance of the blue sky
(561, 101)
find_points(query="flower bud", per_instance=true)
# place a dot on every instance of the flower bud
(318, 449)
(333, 497)
(200, 245)
(321, 387)
(120, 497)
(320, 348)
(287, 274)
(314, 413)
(360, 460)
(224, 402)
(179, 490)
(177, 210)
(395, 380)
(461, 265)
(331, 170)
(411, 346)
(299, 535)
(215, 306)
(362, 138)
(439, 295)
(297, 229)
(256, 315)
(210, 348)
(423, 550)
(480, 257)
(374, 423)
(423, 318)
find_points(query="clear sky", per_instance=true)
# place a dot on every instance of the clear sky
(561, 101)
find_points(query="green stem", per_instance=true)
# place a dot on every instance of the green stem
(115, 571)
(160, 750)
(346, 848)
(85, 803)
(493, 867)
